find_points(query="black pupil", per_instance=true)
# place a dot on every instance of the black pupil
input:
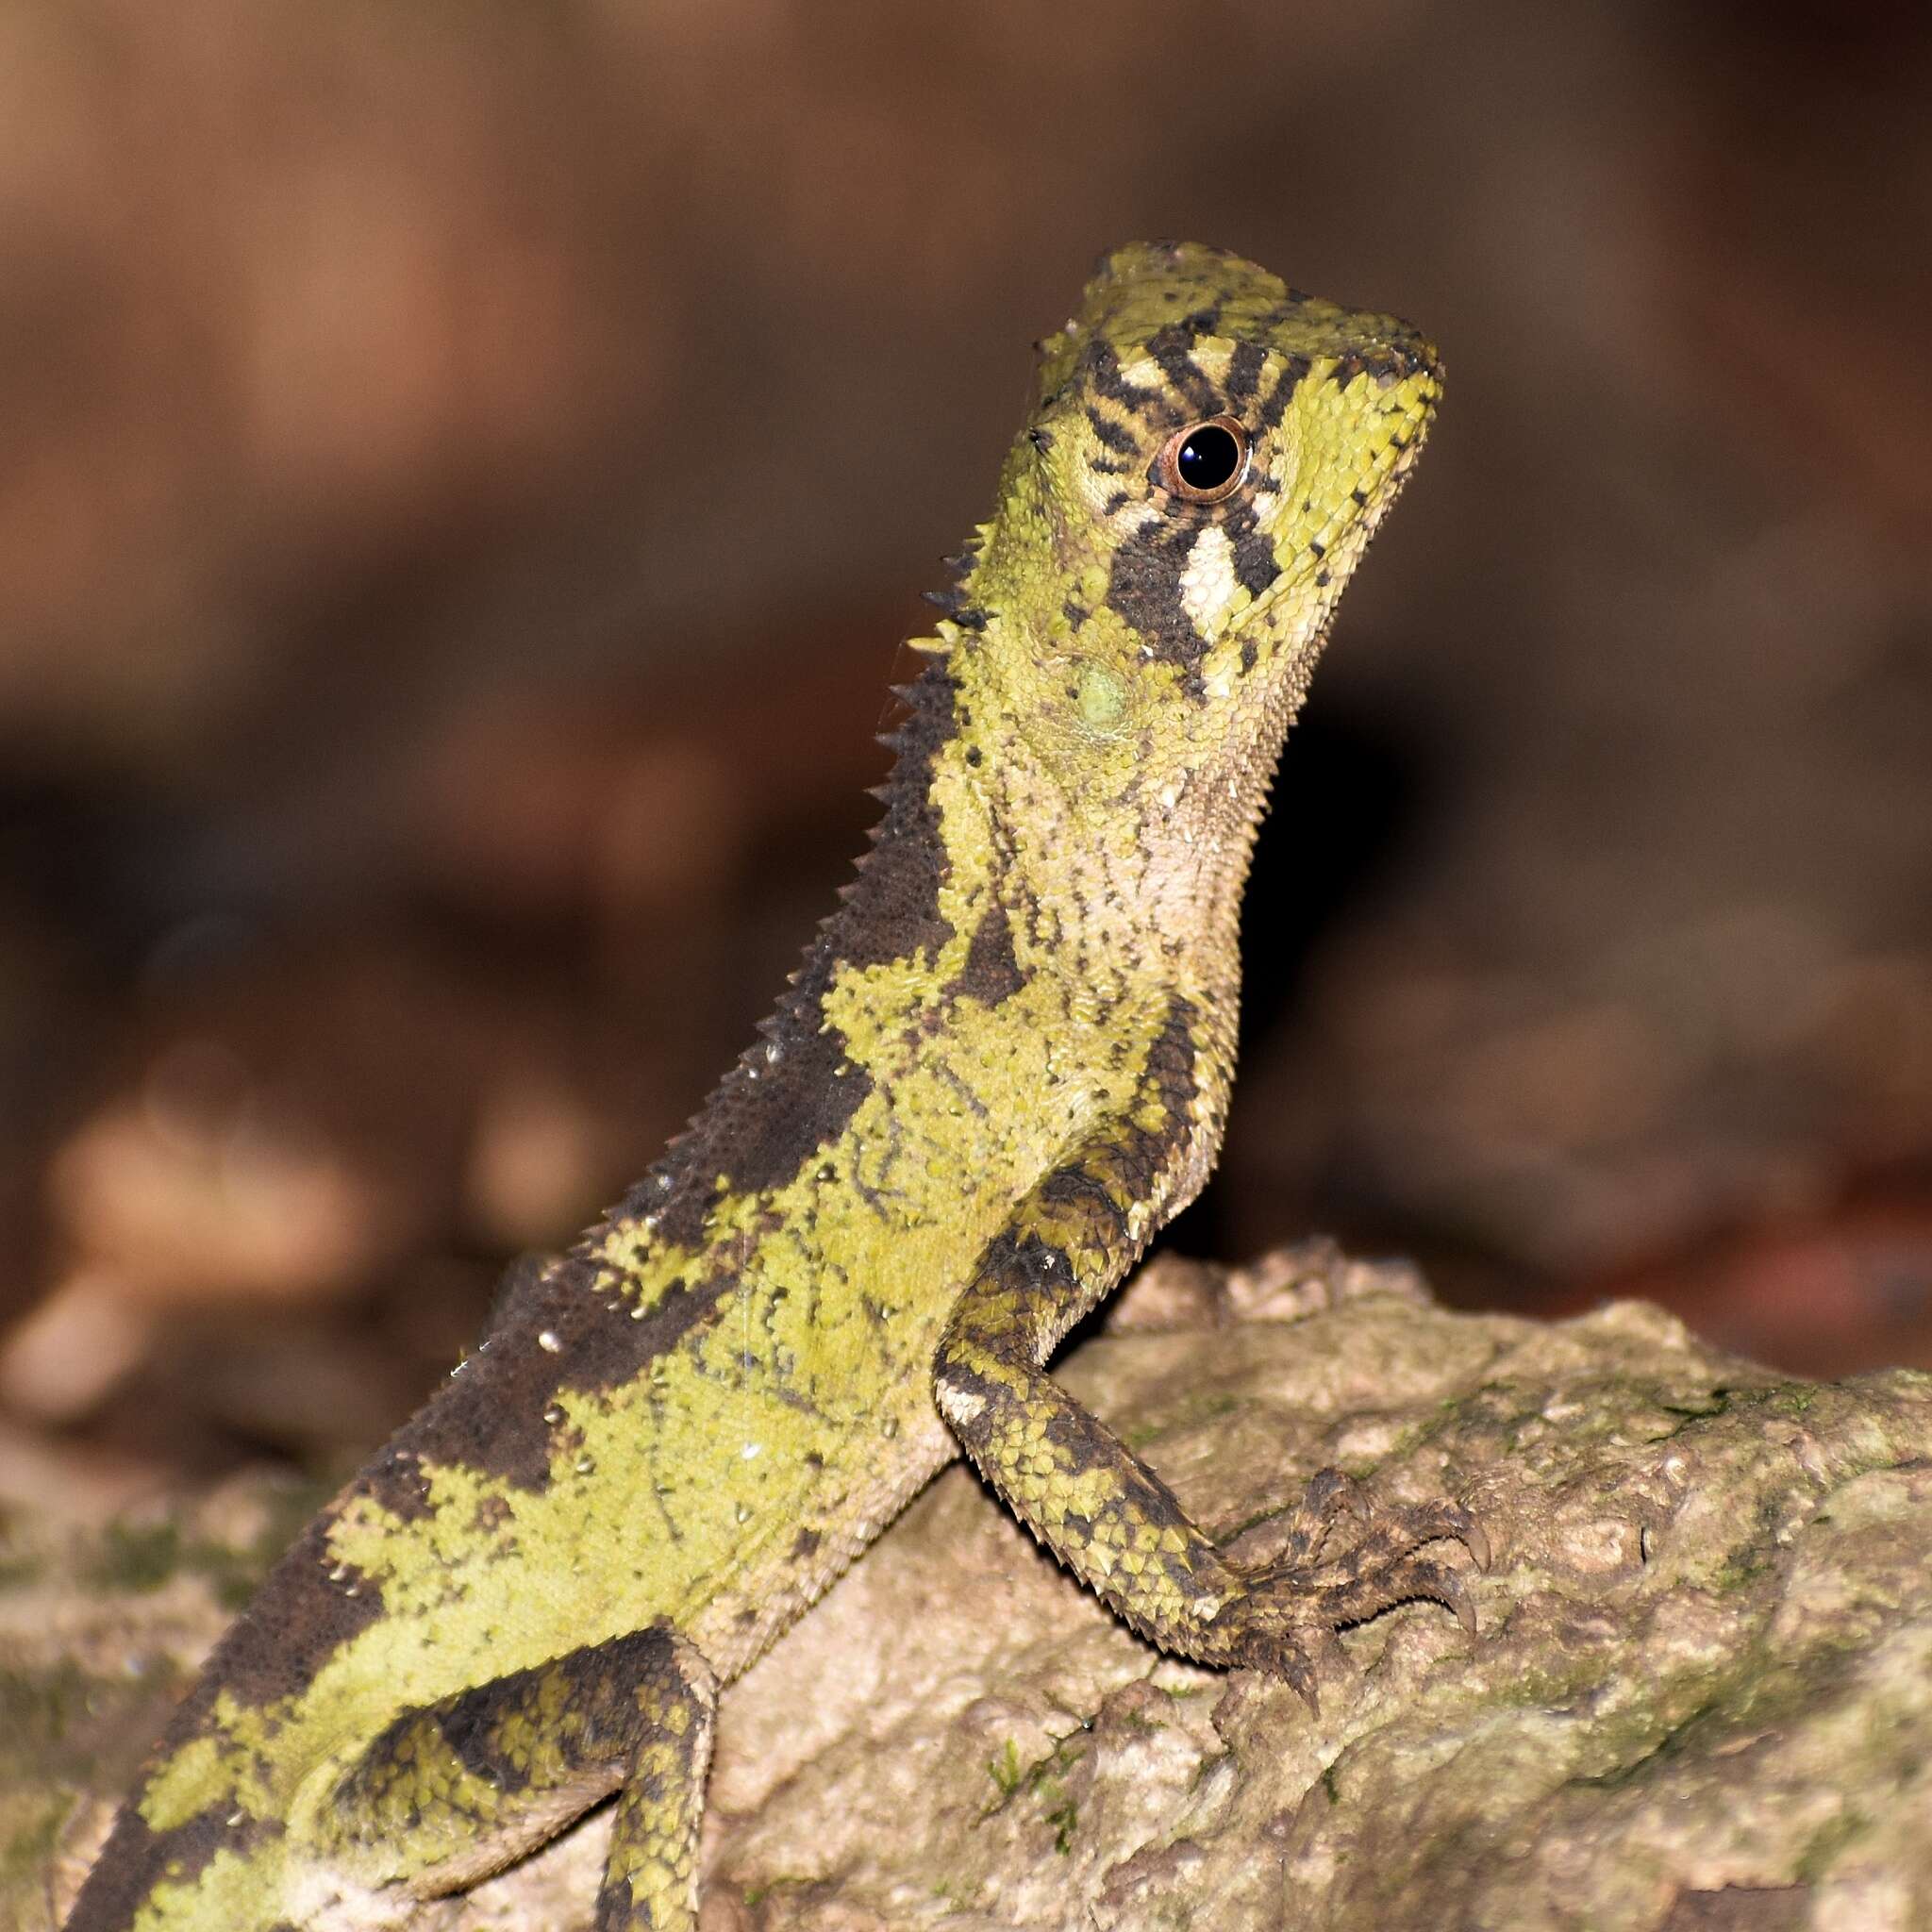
(1208, 457)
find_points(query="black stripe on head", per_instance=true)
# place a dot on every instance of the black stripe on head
(1171, 348)
(1102, 367)
(1274, 406)
(1243, 371)
(1116, 436)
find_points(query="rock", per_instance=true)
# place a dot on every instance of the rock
(1699, 1694)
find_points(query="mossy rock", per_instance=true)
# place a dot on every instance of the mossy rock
(1699, 1693)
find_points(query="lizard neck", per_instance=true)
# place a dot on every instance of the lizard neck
(987, 872)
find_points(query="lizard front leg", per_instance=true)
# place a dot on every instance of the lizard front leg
(454, 1790)
(1104, 1513)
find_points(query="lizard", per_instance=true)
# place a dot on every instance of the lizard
(1003, 1065)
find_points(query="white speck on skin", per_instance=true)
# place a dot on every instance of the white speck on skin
(549, 1342)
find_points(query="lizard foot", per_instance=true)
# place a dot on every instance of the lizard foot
(1342, 1563)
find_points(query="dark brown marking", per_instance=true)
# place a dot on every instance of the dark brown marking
(137, 1858)
(1274, 406)
(1254, 567)
(397, 1480)
(992, 971)
(601, 1687)
(788, 1098)
(309, 1608)
(1102, 367)
(1116, 436)
(1244, 372)
(805, 1545)
(1144, 586)
(1067, 1187)
(491, 1415)
(1171, 347)
(956, 606)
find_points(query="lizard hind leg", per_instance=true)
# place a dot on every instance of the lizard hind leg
(453, 1792)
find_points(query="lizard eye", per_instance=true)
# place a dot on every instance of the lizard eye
(1205, 462)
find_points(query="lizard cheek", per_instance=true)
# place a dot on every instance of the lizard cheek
(1209, 583)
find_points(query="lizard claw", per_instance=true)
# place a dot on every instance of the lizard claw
(1284, 1618)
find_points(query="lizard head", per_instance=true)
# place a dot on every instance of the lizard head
(1210, 453)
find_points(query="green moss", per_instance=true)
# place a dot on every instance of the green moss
(1821, 1849)
(1209, 1408)
(140, 1557)
(1064, 1818)
(1006, 1771)
(784, 1881)
(37, 1709)
(1659, 1749)
(27, 1851)
(135, 1558)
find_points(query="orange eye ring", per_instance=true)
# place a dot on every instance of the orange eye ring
(1205, 462)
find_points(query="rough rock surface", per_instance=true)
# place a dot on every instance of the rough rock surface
(1700, 1695)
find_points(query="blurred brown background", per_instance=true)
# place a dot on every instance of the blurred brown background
(462, 476)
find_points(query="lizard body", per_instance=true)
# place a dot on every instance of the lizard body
(1003, 1063)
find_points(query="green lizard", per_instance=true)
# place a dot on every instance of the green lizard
(1003, 1063)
